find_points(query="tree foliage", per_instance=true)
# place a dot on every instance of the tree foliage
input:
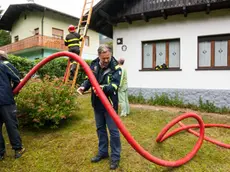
(5, 38)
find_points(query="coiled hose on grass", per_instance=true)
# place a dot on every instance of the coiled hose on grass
(161, 137)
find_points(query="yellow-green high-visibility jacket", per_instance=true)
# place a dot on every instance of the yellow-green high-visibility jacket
(124, 80)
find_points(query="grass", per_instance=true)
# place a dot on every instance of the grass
(69, 148)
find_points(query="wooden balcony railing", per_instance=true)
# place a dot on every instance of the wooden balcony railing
(35, 41)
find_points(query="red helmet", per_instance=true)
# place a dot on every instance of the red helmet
(71, 28)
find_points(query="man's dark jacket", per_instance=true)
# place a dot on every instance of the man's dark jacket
(8, 75)
(109, 78)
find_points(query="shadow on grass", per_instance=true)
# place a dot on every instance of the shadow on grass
(63, 125)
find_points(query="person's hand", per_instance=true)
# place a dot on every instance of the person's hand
(80, 90)
(94, 90)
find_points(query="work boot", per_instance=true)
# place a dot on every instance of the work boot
(114, 164)
(98, 158)
(19, 152)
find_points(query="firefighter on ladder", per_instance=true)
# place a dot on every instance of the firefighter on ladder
(72, 40)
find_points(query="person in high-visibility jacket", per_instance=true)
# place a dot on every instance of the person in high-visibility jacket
(108, 74)
(72, 40)
(123, 90)
(9, 79)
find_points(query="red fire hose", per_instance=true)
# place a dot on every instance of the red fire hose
(162, 136)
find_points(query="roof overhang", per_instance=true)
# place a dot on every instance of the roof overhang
(14, 11)
(108, 13)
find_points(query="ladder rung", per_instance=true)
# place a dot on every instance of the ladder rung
(82, 29)
(87, 5)
(83, 17)
(83, 21)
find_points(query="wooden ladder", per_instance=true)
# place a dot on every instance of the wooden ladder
(82, 29)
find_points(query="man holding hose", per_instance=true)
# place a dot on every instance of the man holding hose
(108, 74)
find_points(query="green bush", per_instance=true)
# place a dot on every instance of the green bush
(22, 64)
(55, 68)
(137, 99)
(165, 100)
(45, 103)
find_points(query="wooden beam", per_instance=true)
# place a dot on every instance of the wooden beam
(99, 23)
(107, 17)
(127, 19)
(208, 8)
(24, 8)
(104, 14)
(144, 17)
(8, 17)
(165, 16)
(185, 11)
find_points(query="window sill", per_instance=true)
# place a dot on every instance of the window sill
(164, 70)
(213, 68)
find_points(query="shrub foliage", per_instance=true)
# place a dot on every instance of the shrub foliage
(55, 68)
(46, 102)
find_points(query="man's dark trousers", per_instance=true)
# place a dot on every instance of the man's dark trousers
(102, 118)
(8, 116)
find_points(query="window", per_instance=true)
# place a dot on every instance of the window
(57, 33)
(214, 52)
(157, 53)
(16, 38)
(36, 31)
(87, 41)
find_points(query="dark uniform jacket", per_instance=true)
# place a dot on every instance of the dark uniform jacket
(8, 75)
(109, 78)
(72, 40)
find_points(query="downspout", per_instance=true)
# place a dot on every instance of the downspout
(42, 29)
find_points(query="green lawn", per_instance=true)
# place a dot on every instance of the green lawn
(71, 147)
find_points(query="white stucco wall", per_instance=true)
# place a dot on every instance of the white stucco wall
(55, 20)
(187, 29)
(24, 28)
(90, 52)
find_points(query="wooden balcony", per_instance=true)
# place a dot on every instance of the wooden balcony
(35, 42)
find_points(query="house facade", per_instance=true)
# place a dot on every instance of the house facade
(191, 37)
(38, 31)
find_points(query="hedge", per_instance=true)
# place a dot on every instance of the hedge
(55, 68)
